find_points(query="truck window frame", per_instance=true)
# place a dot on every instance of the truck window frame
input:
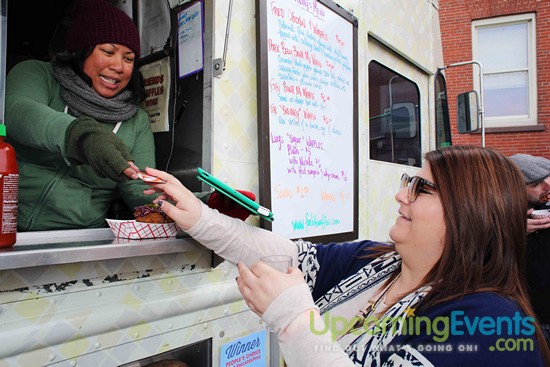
(389, 88)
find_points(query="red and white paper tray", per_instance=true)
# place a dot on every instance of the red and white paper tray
(138, 231)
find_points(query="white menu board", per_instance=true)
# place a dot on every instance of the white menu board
(312, 118)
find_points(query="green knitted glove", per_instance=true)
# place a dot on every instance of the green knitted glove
(87, 142)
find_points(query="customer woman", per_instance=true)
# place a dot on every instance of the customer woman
(447, 292)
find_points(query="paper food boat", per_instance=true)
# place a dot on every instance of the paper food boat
(138, 231)
(539, 214)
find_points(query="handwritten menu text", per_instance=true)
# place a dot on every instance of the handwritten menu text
(311, 102)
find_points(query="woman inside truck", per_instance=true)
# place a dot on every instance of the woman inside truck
(448, 290)
(77, 127)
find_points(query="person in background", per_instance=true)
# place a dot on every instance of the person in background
(447, 292)
(77, 127)
(536, 172)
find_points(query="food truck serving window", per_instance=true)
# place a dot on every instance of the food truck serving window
(180, 148)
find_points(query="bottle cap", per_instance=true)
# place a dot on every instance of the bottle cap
(3, 130)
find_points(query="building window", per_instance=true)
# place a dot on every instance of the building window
(394, 122)
(506, 48)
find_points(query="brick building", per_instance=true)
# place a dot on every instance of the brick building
(511, 40)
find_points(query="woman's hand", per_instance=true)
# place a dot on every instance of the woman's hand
(186, 208)
(261, 284)
(534, 225)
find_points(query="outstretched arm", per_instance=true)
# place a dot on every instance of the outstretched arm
(232, 239)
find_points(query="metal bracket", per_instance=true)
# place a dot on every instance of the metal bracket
(481, 111)
(219, 64)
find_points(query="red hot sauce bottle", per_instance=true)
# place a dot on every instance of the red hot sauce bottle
(9, 187)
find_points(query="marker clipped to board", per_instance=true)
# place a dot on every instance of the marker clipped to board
(236, 196)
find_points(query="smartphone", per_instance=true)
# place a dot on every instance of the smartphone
(236, 196)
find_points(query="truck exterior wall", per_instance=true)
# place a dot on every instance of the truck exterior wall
(107, 313)
(410, 29)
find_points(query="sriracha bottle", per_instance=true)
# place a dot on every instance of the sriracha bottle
(9, 187)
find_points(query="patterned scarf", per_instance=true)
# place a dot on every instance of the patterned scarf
(83, 100)
(365, 351)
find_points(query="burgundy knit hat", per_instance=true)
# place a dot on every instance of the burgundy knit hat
(96, 22)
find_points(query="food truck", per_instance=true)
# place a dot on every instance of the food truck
(317, 106)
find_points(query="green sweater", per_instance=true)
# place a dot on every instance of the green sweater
(53, 193)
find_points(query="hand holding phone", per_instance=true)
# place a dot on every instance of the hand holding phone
(233, 194)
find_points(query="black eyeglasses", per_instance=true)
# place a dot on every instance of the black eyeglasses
(416, 185)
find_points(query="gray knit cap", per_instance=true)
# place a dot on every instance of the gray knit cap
(534, 169)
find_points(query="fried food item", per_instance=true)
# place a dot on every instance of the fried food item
(150, 213)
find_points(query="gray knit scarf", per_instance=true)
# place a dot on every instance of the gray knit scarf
(83, 100)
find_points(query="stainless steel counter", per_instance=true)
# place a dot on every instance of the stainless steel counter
(70, 246)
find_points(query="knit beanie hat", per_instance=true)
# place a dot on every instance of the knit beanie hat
(534, 169)
(96, 22)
